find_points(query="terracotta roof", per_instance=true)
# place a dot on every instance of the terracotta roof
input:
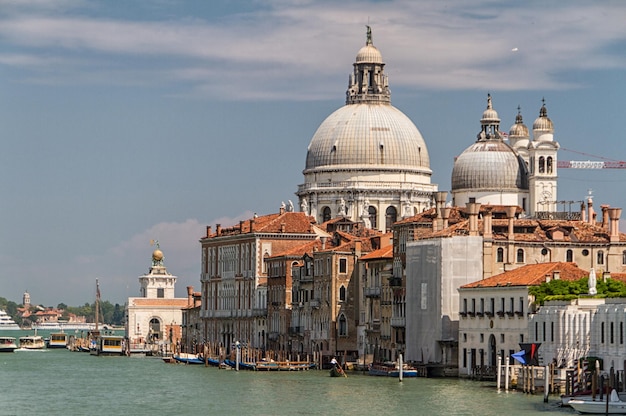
(293, 222)
(381, 253)
(531, 275)
(299, 250)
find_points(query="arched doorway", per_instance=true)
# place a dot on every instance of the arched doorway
(155, 333)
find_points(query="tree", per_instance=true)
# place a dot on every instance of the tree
(568, 290)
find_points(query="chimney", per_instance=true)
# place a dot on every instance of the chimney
(252, 225)
(510, 215)
(190, 295)
(445, 215)
(548, 277)
(473, 209)
(357, 248)
(556, 275)
(592, 214)
(218, 229)
(487, 223)
(282, 209)
(583, 212)
(605, 216)
(440, 201)
(614, 214)
(323, 242)
(208, 231)
(282, 227)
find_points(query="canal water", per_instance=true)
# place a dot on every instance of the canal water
(60, 382)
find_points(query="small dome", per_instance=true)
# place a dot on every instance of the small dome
(490, 116)
(369, 54)
(543, 122)
(519, 129)
(489, 165)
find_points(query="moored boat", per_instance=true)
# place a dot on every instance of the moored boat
(58, 340)
(32, 342)
(391, 369)
(614, 406)
(187, 358)
(7, 344)
(104, 344)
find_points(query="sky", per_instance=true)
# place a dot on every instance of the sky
(126, 122)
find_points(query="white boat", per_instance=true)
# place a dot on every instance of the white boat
(615, 405)
(32, 342)
(7, 344)
(58, 340)
(6, 323)
(64, 326)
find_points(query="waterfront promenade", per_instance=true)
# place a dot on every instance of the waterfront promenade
(56, 382)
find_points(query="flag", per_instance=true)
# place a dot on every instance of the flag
(519, 356)
(531, 355)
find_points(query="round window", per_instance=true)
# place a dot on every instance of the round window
(585, 252)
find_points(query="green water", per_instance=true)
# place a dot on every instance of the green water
(60, 382)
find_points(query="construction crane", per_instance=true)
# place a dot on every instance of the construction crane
(590, 164)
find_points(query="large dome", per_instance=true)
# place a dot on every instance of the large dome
(489, 165)
(366, 136)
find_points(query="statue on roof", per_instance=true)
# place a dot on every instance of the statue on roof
(369, 35)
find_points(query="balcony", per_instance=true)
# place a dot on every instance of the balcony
(372, 292)
(315, 303)
(259, 312)
(395, 281)
(398, 321)
(306, 279)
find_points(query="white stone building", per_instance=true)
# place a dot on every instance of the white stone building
(156, 315)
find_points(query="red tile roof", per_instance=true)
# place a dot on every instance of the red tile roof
(531, 275)
(381, 253)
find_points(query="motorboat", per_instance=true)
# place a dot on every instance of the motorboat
(7, 323)
(7, 344)
(32, 342)
(58, 340)
(391, 369)
(614, 406)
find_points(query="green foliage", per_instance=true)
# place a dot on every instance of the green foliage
(567, 290)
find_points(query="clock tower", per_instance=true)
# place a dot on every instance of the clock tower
(542, 155)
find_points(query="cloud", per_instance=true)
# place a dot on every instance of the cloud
(275, 52)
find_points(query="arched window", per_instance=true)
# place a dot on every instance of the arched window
(373, 214)
(325, 214)
(500, 255)
(549, 164)
(569, 256)
(600, 257)
(624, 257)
(520, 255)
(343, 326)
(542, 164)
(342, 293)
(391, 216)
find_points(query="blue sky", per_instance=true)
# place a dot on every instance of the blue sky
(123, 122)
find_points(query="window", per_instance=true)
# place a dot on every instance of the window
(624, 257)
(520, 255)
(502, 338)
(611, 338)
(549, 164)
(500, 255)
(521, 305)
(160, 292)
(325, 214)
(542, 164)
(551, 331)
(600, 257)
(544, 331)
(373, 214)
(602, 333)
(342, 293)
(621, 332)
(465, 305)
(492, 306)
(343, 326)
(391, 216)
(569, 256)
(343, 265)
